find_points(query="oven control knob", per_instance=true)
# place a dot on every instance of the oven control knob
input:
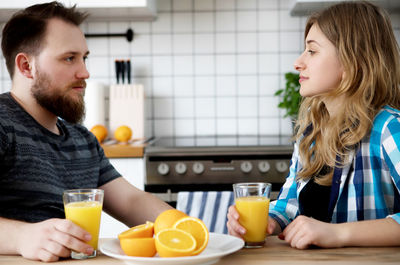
(180, 168)
(281, 166)
(263, 166)
(198, 168)
(163, 169)
(246, 166)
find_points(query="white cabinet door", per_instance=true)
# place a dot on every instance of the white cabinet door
(132, 169)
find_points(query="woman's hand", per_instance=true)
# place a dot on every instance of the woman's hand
(51, 239)
(235, 229)
(305, 231)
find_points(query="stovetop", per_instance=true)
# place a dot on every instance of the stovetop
(216, 160)
(224, 141)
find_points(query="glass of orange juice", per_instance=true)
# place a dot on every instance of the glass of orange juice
(252, 204)
(83, 207)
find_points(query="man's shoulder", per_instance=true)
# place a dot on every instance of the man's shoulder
(6, 103)
(77, 130)
(8, 109)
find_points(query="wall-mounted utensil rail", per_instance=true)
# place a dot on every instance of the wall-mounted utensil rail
(129, 34)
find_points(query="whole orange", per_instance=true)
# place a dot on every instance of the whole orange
(123, 133)
(167, 219)
(100, 131)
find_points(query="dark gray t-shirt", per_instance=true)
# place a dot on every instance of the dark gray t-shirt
(36, 165)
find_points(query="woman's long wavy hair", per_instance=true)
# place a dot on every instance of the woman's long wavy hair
(368, 51)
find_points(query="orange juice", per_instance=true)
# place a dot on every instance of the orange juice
(87, 215)
(253, 212)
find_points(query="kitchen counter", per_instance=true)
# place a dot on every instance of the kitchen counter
(275, 251)
(124, 150)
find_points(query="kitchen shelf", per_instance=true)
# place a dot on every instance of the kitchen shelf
(99, 10)
(121, 150)
(306, 7)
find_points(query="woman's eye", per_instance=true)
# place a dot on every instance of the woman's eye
(311, 52)
(69, 59)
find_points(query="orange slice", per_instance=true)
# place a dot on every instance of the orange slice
(197, 229)
(167, 219)
(138, 247)
(143, 230)
(174, 243)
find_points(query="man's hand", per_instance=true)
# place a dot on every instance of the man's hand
(305, 231)
(51, 239)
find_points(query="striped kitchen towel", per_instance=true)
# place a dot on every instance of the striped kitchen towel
(209, 206)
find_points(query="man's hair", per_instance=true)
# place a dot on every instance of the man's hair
(26, 29)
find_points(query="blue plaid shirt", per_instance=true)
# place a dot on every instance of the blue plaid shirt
(367, 188)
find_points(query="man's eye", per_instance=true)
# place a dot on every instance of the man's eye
(69, 59)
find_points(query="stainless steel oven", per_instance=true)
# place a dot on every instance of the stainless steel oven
(214, 163)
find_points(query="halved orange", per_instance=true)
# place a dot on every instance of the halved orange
(197, 229)
(143, 230)
(173, 242)
(167, 219)
(138, 247)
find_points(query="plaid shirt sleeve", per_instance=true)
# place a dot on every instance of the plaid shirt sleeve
(286, 207)
(391, 154)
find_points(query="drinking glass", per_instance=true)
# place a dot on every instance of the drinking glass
(252, 203)
(83, 207)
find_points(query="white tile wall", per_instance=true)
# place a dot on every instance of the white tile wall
(208, 66)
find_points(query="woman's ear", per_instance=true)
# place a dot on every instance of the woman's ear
(23, 64)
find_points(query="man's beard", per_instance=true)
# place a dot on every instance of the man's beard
(58, 101)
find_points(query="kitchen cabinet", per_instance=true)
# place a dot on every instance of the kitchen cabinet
(306, 7)
(99, 10)
(132, 169)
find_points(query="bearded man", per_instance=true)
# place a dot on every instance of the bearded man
(43, 149)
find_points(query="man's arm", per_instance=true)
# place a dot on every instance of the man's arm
(130, 205)
(45, 241)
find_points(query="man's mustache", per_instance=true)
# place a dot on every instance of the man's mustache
(79, 84)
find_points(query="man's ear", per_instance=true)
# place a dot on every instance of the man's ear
(23, 64)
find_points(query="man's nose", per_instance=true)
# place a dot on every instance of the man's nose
(82, 72)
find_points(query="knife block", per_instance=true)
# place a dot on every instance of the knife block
(127, 108)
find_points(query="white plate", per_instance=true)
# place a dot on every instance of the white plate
(219, 245)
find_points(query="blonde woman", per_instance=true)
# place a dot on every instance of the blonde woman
(343, 188)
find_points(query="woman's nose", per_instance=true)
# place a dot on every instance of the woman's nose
(298, 64)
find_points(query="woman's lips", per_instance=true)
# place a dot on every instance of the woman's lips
(302, 78)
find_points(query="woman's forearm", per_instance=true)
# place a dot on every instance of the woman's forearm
(381, 232)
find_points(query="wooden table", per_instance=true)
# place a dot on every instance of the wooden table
(274, 252)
